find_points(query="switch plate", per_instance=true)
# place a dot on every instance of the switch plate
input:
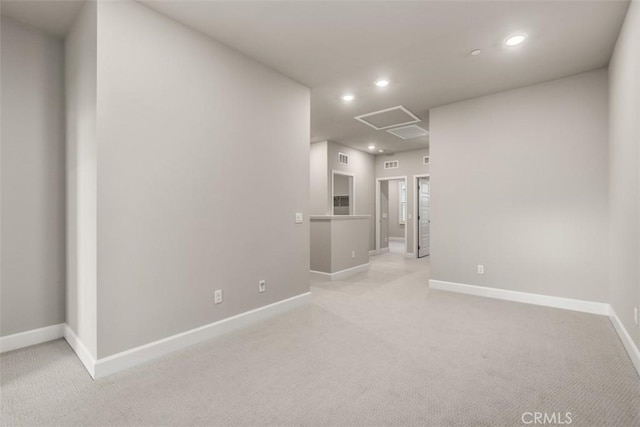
(299, 218)
(384, 215)
(262, 285)
(353, 254)
(480, 269)
(218, 296)
(409, 216)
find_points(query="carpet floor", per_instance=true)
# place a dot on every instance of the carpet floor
(378, 349)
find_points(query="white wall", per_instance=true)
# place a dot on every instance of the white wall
(624, 164)
(410, 164)
(203, 161)
(519, 183)
(80, 88)
(32, 181)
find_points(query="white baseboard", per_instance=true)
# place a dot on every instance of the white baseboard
(85, 356)
(136, 356)
(627, 341)
(32, 337)
(378, 251)
(339, 275)
(524, 297)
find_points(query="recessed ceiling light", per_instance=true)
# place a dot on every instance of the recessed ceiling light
(475, 52)
(381, 151)
(371, 147)
(382, 82)
(515, 39)
(348, 97)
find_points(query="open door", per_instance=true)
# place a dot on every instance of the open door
(423, 217)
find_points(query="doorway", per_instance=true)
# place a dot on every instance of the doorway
(391, 214)
(343, 193)
(423, 217)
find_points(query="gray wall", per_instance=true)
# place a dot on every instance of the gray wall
(319, 191)
(349, 235)
(334, 240)
(188, 202)
(81, 117)
(410, 163)
(32, 153)
(362, 166)
(519, 184)
(395, 228)
(624, 164)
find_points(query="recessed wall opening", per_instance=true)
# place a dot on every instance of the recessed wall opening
(342, 193)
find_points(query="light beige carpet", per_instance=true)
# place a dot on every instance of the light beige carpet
(380, 349)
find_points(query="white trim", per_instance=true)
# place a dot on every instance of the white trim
(378, 219)
(396, 239)
(352, 203)
(378, 251)
(144, 353)
(85, 356)
(627, 341)
(592, 307)
(415, 118)
(416, 211)
(340, 275)
(32, 337)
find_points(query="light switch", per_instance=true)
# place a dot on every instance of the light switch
(384, 215)
(299, 218)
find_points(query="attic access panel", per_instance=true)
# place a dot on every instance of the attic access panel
(388, 118)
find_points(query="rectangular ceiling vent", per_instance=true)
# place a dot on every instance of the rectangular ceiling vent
(425, 160)
(343, 159)
(388, 118)
(392, 164)
(408, 132)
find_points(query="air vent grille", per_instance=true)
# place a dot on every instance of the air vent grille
(425, 160)
(388, 118)
(408, 132)
(392, 164)
(343, 159)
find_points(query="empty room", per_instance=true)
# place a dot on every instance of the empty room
(319, 213)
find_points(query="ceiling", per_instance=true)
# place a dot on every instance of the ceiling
(52, 16)
(422, 47)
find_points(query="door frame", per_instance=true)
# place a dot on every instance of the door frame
(378, 208)
(352, 203)
(416, 211)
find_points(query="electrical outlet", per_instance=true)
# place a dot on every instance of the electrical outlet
(353, 254)
(218, 296)
(635, 315)
(262, 285)
(480, 269)
(299, 218)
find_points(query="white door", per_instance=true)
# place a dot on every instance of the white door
(423, 217)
